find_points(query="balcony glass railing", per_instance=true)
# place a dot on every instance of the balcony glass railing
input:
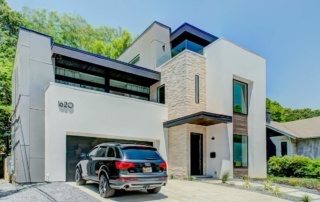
(186, 44)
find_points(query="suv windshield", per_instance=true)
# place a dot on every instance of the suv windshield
(141, 153)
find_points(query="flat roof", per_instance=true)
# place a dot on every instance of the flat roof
(200, 118)
(59, 49)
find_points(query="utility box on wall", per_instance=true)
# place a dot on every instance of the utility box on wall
(212, 154)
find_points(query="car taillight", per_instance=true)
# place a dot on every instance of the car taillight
(163, 165)
(124, 165)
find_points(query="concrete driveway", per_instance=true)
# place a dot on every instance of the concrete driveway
(180, 190)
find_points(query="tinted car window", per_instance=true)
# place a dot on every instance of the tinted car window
(140, 153)
(101, 152)
(93, 152)
(111, 152)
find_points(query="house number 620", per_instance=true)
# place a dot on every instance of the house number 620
(65, 104)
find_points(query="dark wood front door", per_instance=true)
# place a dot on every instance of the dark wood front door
(196, 151)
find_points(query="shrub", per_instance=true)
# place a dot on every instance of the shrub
(302, 182)
(245, 177)
(246, 184)
(276, 191)
(191, 178)
(267, 185)
(305, 198)
(171, 176)
(294, 166)
(225, 177)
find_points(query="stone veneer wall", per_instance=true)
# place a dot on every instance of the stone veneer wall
(178, 75)
(309, 147)
(179, 149)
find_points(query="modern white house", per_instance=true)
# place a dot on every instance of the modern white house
(197, 98)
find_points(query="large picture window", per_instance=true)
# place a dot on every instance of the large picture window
(240, 151)
(240, 97)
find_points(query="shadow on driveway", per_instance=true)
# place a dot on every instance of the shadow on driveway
(122, 195)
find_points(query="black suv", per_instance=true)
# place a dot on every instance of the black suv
(122, 167)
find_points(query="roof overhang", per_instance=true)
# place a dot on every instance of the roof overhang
(200, 118)
(281, 132)
(58, 49)
(187, 31)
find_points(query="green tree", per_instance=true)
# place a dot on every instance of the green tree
(73, 30)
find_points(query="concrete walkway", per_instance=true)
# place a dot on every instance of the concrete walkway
(182, 190)
(294, 192)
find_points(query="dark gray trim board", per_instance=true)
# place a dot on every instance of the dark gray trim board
(281, 132)
(58, 49)
(200, 118)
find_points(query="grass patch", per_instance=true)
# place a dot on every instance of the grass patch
(301, 182)
(306, 198)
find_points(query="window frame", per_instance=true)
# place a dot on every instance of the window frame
(134, 60)
(286, 149)
(246, 97)
(197, 89)
(247, 151)
(158, 93)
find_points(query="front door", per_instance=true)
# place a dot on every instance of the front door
(196, 154)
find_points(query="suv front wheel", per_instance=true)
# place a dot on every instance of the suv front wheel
(104, 188)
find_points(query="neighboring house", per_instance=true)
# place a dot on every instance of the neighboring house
(300, 137)
(198, 99)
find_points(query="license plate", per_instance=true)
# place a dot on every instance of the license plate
(147, 169)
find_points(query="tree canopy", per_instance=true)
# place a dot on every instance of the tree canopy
(282, 114)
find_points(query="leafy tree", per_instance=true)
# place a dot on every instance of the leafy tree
(282, 114)
(74, 31)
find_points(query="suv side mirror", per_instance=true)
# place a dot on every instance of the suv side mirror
(83, 155)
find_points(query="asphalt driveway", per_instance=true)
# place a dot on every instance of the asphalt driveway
(181, 190)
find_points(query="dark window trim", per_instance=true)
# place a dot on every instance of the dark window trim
(234, 167)
(158, 98)
(197, 89)
(247, 101)
(135, 59)
(286, 149)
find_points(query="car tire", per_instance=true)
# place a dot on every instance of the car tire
(154, 191)
(78, 178)
(104, 188)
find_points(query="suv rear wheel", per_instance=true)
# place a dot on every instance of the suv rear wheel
(104, 188)
(78, 177)
(154, 191)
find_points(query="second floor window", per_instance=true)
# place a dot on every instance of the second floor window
(197, 89)
(161, 94)
(240, 97)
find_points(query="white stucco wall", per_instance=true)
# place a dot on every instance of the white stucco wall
(32, 72)
(100, 115)
(149, 46)
(291, 145)
(225, 62)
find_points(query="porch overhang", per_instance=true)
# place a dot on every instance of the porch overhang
(199, 118)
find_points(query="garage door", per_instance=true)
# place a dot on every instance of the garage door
(79, 144)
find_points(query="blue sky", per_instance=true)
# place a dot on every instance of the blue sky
(285, 32)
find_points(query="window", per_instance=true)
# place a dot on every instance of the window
(79, 75)
(80, 85)
(240, 97)
(284, 148)
(111, 153)
(161, 94)
(141, 154)
(93, 152)
(187, 44)
(135, 60)
(129, 86)
(197, 88)
(101, 152)
(240, 151)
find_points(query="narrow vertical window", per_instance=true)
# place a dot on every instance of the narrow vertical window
(240, 151)
(135, 60)
(240, 97)
(161, 94)
(197, 88)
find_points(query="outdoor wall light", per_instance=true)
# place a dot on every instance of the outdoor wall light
(212, 138)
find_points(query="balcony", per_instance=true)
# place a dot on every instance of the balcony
(186, 44)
